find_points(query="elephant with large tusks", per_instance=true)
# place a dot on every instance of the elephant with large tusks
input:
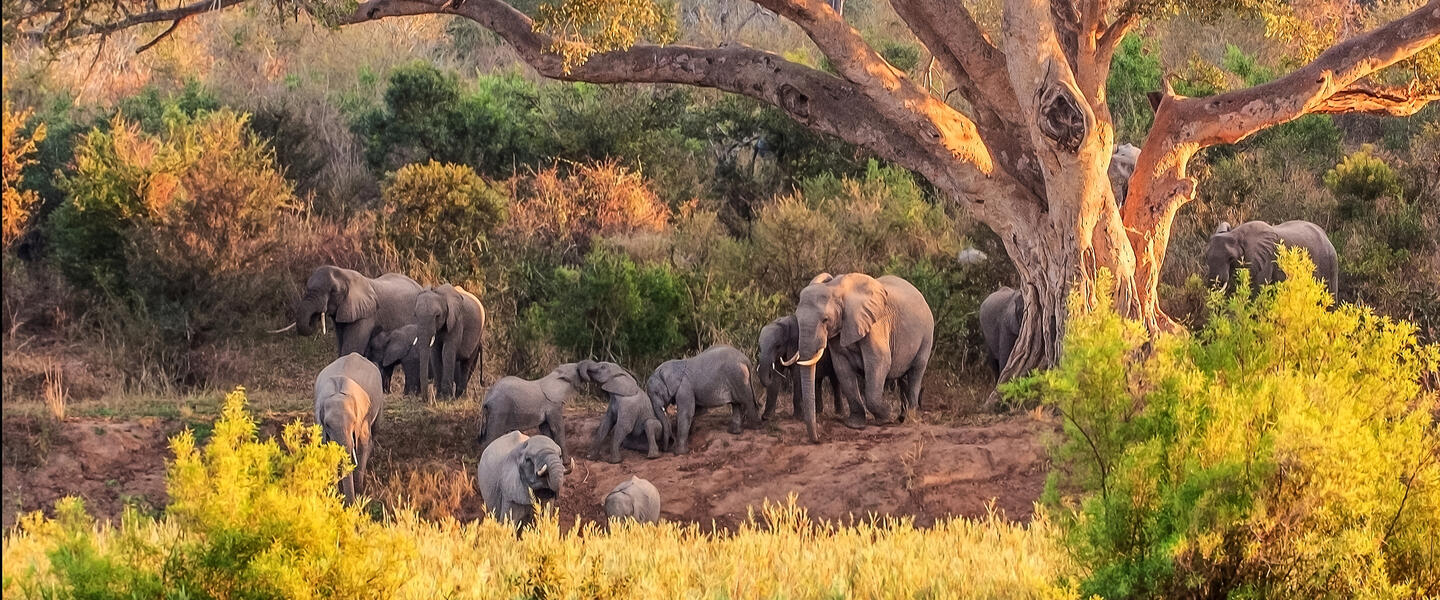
(518, 404)
(875, 330)
(348, 403)
(779, 344)
(717, 377)
(1000, 317)
(1253, 245)
(359, 305)
(634, 498)
(451, 322)
(516, 468)
(631, 420)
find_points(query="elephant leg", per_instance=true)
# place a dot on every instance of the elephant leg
(653, 430)
(354, 337)
(834, 393)
(360, 470)
(601, 432)
(772, 392)
(877, 368)
(848, 383)
(462, 377)
(386, 373)
(684, 415)
(624, 423)
(737, 418)
(556, 420)
(912, 382)
(447, 371)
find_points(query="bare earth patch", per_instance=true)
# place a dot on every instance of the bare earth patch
(921, 470)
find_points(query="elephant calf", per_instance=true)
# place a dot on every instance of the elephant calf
(515, 404)
(398, 347)
(1000, 317)
(348, 402)
(634, 498)
(779, 341)
(716, 377)
(515, 469)
(631, 415)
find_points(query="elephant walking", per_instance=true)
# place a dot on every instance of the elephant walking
(359, 305)
(453, 322)
(515, 404)
(779, 340)
(634, 498)
(515, 467)
(876, 330)
(1253, 245)
(716, 377)
(348, 403)
(1000, 317)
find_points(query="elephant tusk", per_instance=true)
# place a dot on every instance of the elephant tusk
(814, 359)
(543, 469)
(432, 341)
(415, 341)
(792, 360)
(323, 331)
(283, 329)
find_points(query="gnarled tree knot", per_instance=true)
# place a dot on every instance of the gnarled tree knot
(1061, 118)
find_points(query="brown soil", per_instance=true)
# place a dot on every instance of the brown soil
(922, 470)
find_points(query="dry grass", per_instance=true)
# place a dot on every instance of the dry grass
(54, 391)
(433, 490)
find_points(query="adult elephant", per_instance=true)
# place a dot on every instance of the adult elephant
(452, 322)
(1253, 245)
(359, 305)
(1000, 317)
(875, 330)
(521, 405)
(719, 376)
(779, 340)
(348, 402)
(513, 469)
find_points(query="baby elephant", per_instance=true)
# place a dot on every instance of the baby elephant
(716, 377)
(515, 404)
(631, 415)
(348, 402)
(634, 498)
(398, 347)
(515, 467)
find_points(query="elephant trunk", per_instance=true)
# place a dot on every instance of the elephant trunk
(552, 478)
(425, 349)
(658, 399)
(309, 314)
(814, 348)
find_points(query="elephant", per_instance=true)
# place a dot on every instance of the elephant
(1254, 244)
(1000, 317)
(348, 403)
(1122, 167)
(519, 404)
(454, 320)
(359, 305)
(778, 340)
(400, 346)
(629, 416)
(624, 392)
(716, 377)
(876, 330)
(515, 467)
(634, 498)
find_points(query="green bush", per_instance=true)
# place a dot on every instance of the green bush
(1361, 179)
(901, 55)
(1285, 450)
(1135, 71)
(611, 308)
(441, 213)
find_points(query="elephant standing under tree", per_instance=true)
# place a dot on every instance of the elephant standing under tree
(348, 403)
(1253, 245)
(400, 346)
(513, 468)
(779, 340)
(1000, 316)
(716, 377)
(452, 322)
(515, 404)
(631, 416)
(359, 305)
(876, 330)
(634, 498)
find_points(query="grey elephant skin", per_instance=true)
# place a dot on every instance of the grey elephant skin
(779, 341)
(399, 347)
(717, 377)
(451, 322)
(513, 468)
(1122, 167)
(359, 305)
(632, 419)
(634, 498)
(1000, 317)
(1253, 245)
(515, 404)
(348, 403)
(876, 330)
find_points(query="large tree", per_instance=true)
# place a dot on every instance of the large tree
(1023, 145)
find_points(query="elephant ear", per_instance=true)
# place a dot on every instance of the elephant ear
(454, 310)
(667, 379)
(1224, 227)
(864, 304)
(1260, 248)
(358, 300)
(821, 278)
(1019, 306)
(619, 382)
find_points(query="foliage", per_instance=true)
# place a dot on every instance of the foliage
(18, 153)
(610, 307)
(1361, 179)
(1286, 450)
(560, 210)
(442, 213)
(901, 55)
(583, 27)
(1134, 72)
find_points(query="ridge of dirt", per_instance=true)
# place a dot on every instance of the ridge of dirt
(920, 470)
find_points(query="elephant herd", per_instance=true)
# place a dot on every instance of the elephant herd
(857, 332)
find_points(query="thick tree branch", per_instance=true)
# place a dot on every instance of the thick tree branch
(1230, 117)
(1392, 101)
(172, 15)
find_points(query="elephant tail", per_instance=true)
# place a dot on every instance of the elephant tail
(486, 421)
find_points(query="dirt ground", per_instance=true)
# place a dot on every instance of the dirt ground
(923, 470)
